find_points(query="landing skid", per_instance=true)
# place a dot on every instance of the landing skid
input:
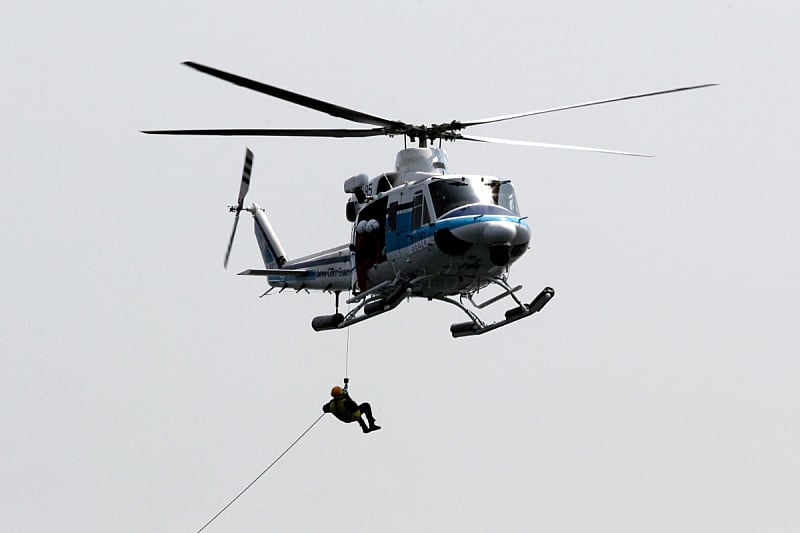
(388, 295)
(371, 303)
(478, 327)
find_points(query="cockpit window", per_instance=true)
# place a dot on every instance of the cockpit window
(450, 194)
(419, 211)
(503, 195)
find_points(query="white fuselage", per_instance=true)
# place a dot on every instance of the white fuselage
(443, 233)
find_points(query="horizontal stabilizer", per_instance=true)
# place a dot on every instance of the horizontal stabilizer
(276, 272)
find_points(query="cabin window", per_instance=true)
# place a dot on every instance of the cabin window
(419, 211)
(450, 194)
(384, 183)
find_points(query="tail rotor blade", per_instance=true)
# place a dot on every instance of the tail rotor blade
(245, 186)
(230, 242)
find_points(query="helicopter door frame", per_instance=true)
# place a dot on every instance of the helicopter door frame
(392, 233)
(420, 209)
(369, 248)
(376, 210)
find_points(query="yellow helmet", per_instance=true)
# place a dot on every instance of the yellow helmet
(337, 391)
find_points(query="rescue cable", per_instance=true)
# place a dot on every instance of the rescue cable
(262, 473)
(347, 357)
(347, 354)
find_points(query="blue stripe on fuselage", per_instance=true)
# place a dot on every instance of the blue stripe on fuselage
(405, 239)
(318, 262)
(316, 269)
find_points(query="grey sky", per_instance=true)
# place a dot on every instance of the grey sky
(143, 386)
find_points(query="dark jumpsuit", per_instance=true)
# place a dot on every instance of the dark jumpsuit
(345, 409)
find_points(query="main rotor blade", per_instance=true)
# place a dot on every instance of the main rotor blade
(574, 106)
(260, 132)
(295, 98)
(542, 145)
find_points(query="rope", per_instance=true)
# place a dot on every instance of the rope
(347, 356)
(262, 473)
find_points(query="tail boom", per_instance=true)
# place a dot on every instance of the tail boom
(329, 270)
(271, 250)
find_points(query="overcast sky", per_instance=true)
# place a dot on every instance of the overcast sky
(143, 386)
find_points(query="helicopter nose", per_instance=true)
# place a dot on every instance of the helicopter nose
(506, 241)
(488, 232)
(498, 232)
(503, 240)
(500, 254)
(509, 233)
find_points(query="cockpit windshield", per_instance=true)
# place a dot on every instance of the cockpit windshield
(450, 194)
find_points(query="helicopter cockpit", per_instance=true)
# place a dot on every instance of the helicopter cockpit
(451, 195)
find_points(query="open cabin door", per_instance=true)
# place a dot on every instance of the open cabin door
(369, 240)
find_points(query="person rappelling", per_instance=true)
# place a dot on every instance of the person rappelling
(345, 409)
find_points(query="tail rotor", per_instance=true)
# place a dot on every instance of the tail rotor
(243, 188)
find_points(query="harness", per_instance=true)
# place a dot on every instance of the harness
(339, 409)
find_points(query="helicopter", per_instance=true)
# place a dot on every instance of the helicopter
(420, 231)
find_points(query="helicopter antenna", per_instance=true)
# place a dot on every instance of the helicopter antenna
(243, 188)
